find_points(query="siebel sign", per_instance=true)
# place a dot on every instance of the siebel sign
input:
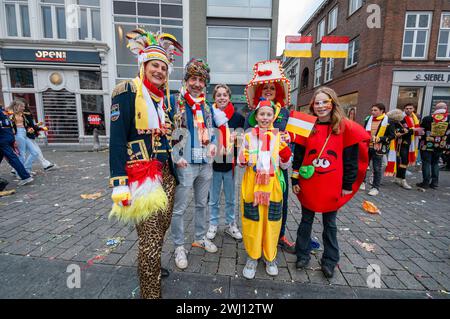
(45, 55)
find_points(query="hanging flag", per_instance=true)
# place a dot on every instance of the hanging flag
(334, 47)
(298, 46)
(300, 125)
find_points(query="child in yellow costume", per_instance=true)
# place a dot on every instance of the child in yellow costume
(263, 151)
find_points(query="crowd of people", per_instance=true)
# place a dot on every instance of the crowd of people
(164, 147)
(401, 140)
(18, 134)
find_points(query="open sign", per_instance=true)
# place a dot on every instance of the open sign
(45, 55)
(94, 119)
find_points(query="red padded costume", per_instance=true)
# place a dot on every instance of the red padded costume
(323, 191)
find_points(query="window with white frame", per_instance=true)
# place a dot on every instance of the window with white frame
(329, 67)
(261, 9)
(154, 16)
(353, 53)
(320, 30)
(233, 51)
(90, 21)
(317, 72)
(443, 49)
(416, 35)
(53, 19)
(17, 18)
(332, 19)
(353, 6)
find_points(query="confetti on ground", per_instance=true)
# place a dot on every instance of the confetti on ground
(114, 242)
(370, 207)
(91, 196)
(7, 193)
(133, 293)
(344, 229)
(429, 296)
(218, 290)
(368, 247)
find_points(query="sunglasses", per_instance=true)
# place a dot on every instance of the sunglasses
(323, 103)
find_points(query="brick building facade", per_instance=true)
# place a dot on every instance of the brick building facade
(405, 58)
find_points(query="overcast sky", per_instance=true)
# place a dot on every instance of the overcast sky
(293, 14)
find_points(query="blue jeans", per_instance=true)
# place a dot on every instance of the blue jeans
(197, 178)
(214, 197)
(7, 151)
(330, 255)
(430, 167)
(25, 145)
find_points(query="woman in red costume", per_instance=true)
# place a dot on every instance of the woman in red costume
(328, 168)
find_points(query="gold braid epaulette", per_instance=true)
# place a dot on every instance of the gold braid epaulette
(122, 87)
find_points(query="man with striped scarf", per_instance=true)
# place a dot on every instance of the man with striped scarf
(377, 125)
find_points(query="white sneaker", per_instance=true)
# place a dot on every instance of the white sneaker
(25, 181)
(271, 268)
(180, 257)
(212, 231)
(374, 192)
(362, 187)
(206, 244)
(250, 268)
(233, 231)
(404, 184)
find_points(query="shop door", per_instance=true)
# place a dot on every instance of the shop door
(60, 114)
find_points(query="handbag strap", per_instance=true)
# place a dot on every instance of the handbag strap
(325, 144)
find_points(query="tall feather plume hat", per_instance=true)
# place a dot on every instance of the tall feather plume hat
(149, 46)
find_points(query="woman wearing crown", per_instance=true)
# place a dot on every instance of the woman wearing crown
(141, 168)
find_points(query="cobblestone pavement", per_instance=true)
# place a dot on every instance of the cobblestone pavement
(50, 220)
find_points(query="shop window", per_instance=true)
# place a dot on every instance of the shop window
(413, 95)
(93, 114)
(21, 78)
(31, 100)
(349, 104)
(440, 94)
(90, 80)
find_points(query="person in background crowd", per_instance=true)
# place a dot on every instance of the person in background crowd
(8, 149)
(381, 132)
(434, 142)
(408, 144)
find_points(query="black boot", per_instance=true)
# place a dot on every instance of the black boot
(164, 272)
(3, 183)
(328, 271)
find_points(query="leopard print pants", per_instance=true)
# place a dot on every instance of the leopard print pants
(151, 236)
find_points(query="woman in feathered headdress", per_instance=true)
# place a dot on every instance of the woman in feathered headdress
(140, 145)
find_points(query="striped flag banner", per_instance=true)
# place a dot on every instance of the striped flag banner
(298, 46)
(334, 47)
(300, 125)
